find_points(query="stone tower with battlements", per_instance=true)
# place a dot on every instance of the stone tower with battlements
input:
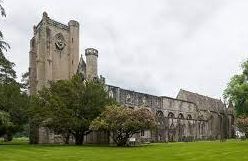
(54, 52)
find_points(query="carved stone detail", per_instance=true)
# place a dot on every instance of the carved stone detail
(60, 41)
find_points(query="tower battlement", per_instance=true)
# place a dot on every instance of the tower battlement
(73, 23)
(46, 20)
(91, 51)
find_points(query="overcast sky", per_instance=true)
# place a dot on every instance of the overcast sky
(152, 46)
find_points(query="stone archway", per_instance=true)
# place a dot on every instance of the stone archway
(201, 126)
(181, 127)
(160, 126)
(190, 127)
(211, 127)
(171, 128)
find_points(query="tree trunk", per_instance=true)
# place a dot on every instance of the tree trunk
(79, 138)
(122, 142)
(67, 138)
(7, 137)
(120, 139)
(33, 133)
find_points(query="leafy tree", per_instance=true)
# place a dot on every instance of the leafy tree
(237, 91)
(123, 122)
(12, 100)
(36, 114)
(5, 123)
(7, 73)
(2, 10)
(25, 82)
(68, 106)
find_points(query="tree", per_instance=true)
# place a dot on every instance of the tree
(2, 10)
(12, 100)
(7, 73)
(68, 106)
(237, 94)
(5, 123)
(237, 91)
(25, 85)
(123, 122)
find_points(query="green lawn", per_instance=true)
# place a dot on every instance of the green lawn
(196, 151)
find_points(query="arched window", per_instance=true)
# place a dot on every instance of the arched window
(111, 94)
(128, 98)
(220, 122)
(180, 116)
(160, 114)
(171, 115)
(189, 117)
(211, 124)
(160, 117)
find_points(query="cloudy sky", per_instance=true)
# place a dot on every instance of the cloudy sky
(153, 46)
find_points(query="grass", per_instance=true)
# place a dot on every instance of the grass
(20, 140)
(232, 150)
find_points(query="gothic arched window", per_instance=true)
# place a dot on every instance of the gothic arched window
(160, 117)
(189, 117)
(171, 115)
(180, 116)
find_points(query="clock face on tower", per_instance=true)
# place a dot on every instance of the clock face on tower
(59, 41)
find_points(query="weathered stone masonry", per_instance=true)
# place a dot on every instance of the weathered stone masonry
(188, 117)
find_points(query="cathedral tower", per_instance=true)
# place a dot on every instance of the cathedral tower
(54, 52)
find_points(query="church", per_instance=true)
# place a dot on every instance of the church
(54, 55)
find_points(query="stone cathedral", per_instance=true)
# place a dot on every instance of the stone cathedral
(54, 55)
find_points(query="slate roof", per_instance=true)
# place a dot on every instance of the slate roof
(203, 102)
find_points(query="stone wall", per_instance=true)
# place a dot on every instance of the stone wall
(180, 119)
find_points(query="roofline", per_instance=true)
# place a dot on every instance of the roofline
(154, 95)
(201, 95)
